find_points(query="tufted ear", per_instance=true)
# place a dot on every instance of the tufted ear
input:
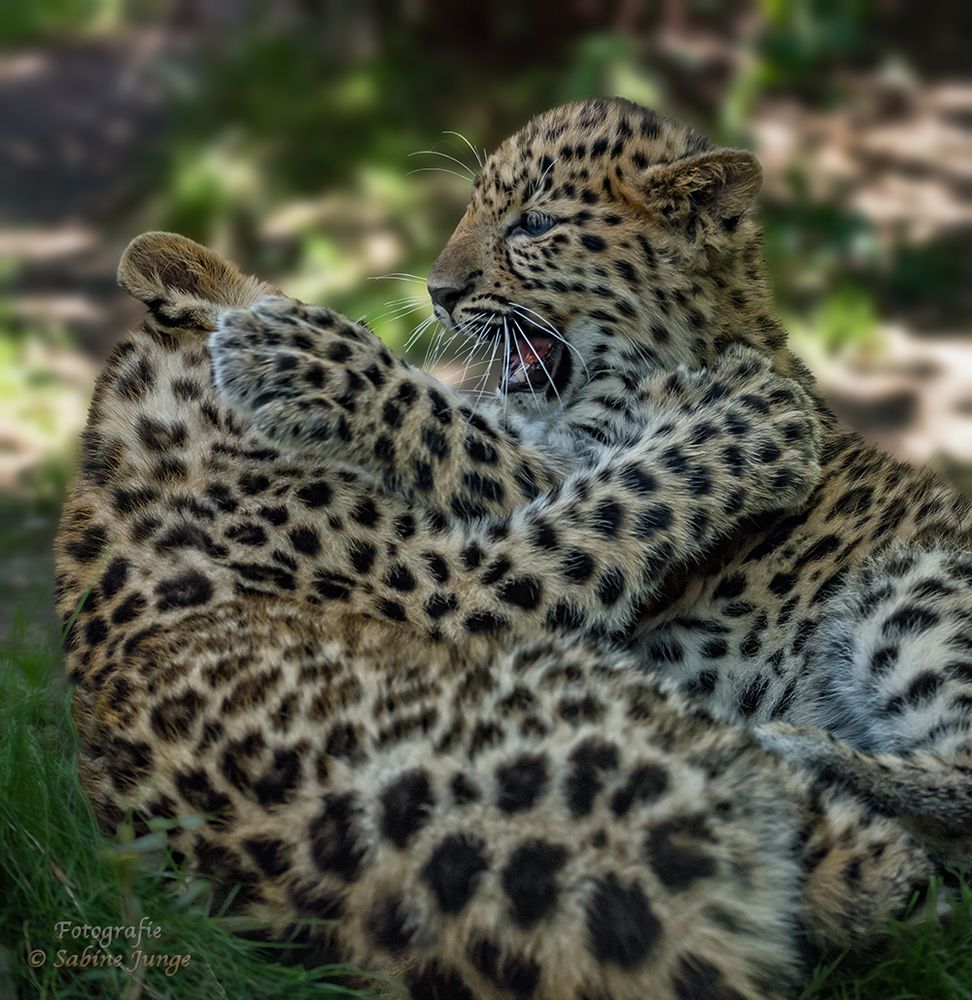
(704, 194)
(165, 269)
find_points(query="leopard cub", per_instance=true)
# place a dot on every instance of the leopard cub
(637, 681)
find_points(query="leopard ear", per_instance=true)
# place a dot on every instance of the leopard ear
(165, 269)
(706, 194)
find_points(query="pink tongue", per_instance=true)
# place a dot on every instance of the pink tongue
(531, 355)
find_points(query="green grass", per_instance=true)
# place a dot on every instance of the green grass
(924, 960)
(56, 866)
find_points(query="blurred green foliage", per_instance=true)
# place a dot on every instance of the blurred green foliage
(44, 20)
(801, 38)
(281, 113)
(287, 102)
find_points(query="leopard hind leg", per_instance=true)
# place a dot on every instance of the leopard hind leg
(892, 714)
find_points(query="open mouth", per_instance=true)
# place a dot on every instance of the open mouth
(535, 363)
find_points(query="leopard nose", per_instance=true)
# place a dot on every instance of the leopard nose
(447, 296)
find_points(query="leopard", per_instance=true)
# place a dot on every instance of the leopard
(646, 678)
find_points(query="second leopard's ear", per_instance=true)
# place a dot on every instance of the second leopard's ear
(704, 195)
(172, 274)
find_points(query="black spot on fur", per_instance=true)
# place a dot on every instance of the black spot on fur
(464, 789)
(611, 586)
(400, 578)
(437, 605)
(656, 518)
(305, 540)
(272, 856)
(406, 805)
(646, 784)
(130, 608)
(89, 544)
(508, 971)
(315, 494)
(437, 983)
(274, 515)
(564, 615)
(673, 851)
(252, 483)
(333, 839)
(95, 632)
(392, 610)
(753, 695)
(362, 555)
(365, 512)
(578, 566)
(472, 556)
(920, 689)
(588, 763)
(188, 590)
(638, 479)
(529, 879)
(520, 783)
(621, 926)
(910, 620)
(338, 352)
(157, 436)
(607, 518)
(480, 451)
(173, 718)
(485, 623)
(697, 979)
(453, 870)
(522, 592)
(782, 583)
(438, 567)
(730, 587)
(389, 924)
(197, 790)
(114, 577)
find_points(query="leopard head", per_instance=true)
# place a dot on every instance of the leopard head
(603, 237)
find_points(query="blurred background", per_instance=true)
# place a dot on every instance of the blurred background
(284, 133)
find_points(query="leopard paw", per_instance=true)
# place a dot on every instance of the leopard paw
(302, 374)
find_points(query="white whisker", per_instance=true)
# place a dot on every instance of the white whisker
(536, 319)
(436, 152)
(440, 170)
(442, 344)
(486, 374)
(468, 143)
(445, 345)
(397, 276)
(470, 354)
(404, 298)
(504, 371)
(431, 346)
(398, 312)
(516, 344)
(538, 187)
(542, 365)
(414, 336)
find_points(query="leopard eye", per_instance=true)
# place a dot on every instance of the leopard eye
(533, 224)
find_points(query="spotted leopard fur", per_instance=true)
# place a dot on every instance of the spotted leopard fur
(634, 692)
